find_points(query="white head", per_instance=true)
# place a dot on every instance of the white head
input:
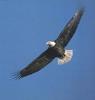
(51, 43)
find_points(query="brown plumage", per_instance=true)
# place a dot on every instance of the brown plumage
(55, 49)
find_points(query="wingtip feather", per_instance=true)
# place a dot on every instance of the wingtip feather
(16, 76)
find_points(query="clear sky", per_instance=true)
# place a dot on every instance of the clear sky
(25, 27)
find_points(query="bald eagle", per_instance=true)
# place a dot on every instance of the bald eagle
(55, 48)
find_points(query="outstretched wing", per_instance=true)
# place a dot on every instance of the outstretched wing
(40, 62)
(70, 28)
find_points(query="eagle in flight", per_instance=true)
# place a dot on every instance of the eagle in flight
(55, 48)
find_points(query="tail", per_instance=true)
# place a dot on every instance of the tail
(66, 58)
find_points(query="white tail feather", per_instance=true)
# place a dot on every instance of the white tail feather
(67, 57)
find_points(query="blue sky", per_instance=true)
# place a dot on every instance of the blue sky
(25, 27)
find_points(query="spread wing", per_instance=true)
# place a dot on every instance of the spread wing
(40, 62)
(70, 28)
